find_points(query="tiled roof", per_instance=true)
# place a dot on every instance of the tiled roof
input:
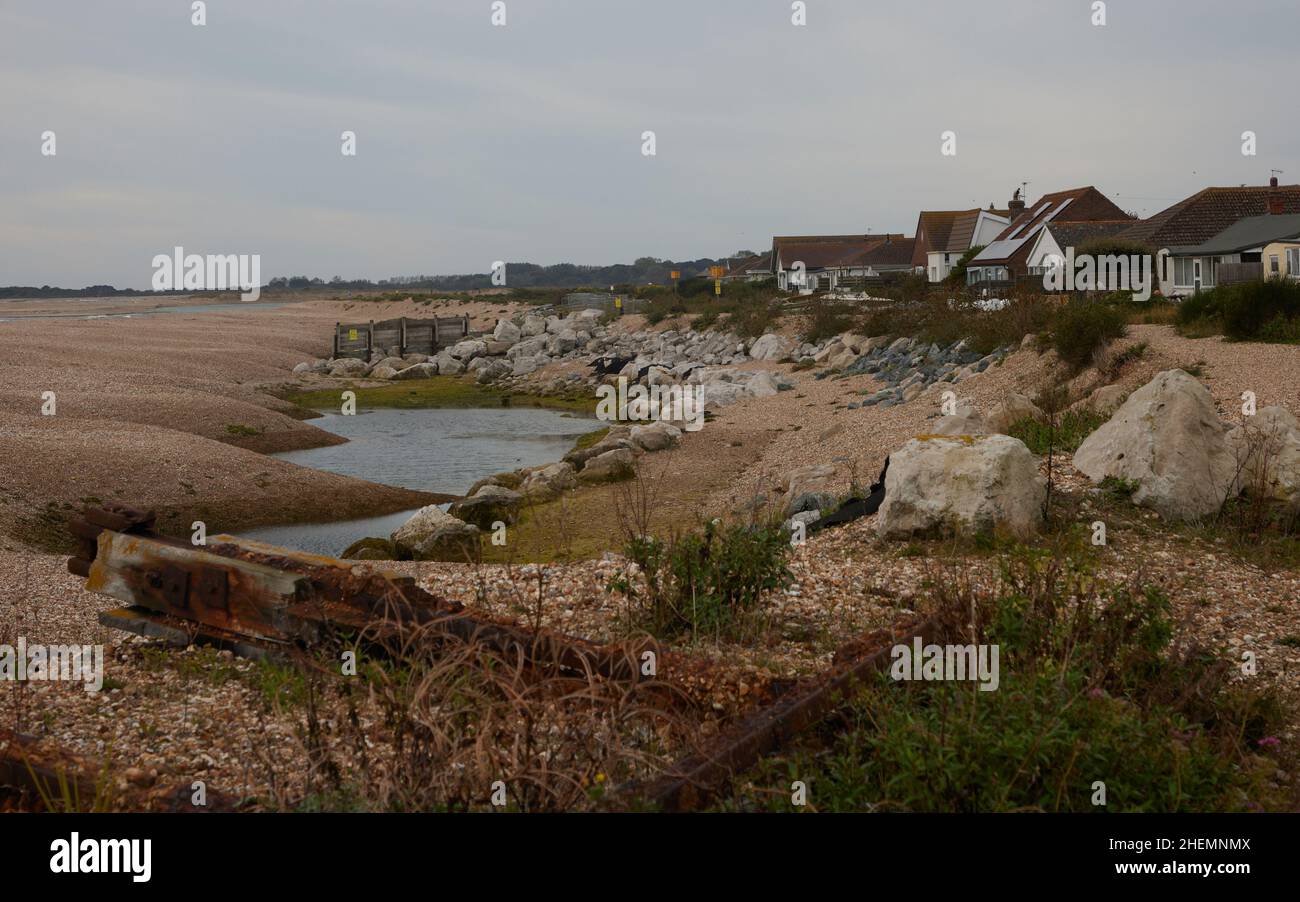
(741, 266)
(896, 251)
(1073, 234)
(1013, 244)
(934, 230)
(1207, 213)
(1251, 232)
(822, 251)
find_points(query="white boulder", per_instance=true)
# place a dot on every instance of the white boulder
(1167, 438)
(965, 485)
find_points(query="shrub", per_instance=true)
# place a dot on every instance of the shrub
(1071, 429)
(1254, 309)
(752, 320)
(704, 583)
(826, 319)
(1089, 688)
(705, 321)
(957, 276)
(1082, 328)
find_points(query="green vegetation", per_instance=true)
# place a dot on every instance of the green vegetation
(590, 438)
(706, 584)
(1072, 427)
(1266, 310)
(957, 276)
(1081, 328)
(439, 391)
(826, 319)
(1086, 693)
(242, 430)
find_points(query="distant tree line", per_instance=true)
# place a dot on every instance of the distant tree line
(643, 271)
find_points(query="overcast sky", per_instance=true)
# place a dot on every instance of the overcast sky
(478, 143)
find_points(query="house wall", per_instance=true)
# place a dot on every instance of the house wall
(1281, 248)
(1181, 275)
(939, 264)
(989, 227)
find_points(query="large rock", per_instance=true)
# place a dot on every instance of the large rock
(965, 485)
(493, 370)
(1010, 410)
(419, 371)
(488, 505)
(507, 331)
(761, 385)
(468, 349)
(770, 347)
(608, 467)
(371, 549)
(965, 421)
(1266, 448)
(347, 366)
(386, 372)
(448, 365)
(546, 483)
(532, 325)
(656, 436)
(1168, 439)
(807, 488)
(529, 347)
(525, 365)
(432, 534)
(563, 342)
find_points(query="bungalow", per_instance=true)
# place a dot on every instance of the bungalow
(1054, 239)
(871, 264)
(749, 269)
(943, 236)
(1178, 232)
(808, 262)
(1005, 260)
(1256, 247)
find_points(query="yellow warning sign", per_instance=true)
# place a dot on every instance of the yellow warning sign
(352, 335)
(717, 286)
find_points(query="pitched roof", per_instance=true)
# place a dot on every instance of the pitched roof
(822, 251)
(1014, 242)
(1253, 231)
(932, 230)
(743, 266)
(1206, 213)
(1073, 234)
(894, 251)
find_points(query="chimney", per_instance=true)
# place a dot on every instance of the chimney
(1276, 207)
(1016, 204)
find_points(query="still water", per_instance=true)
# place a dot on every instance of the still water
(429, 450)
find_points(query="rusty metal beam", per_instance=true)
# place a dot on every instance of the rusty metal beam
(237, 589)
(697, 779)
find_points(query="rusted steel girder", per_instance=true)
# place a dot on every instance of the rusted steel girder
(237, 588)
(697, 779)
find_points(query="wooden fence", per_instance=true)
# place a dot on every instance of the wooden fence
(402, 336)
(1229, 273)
